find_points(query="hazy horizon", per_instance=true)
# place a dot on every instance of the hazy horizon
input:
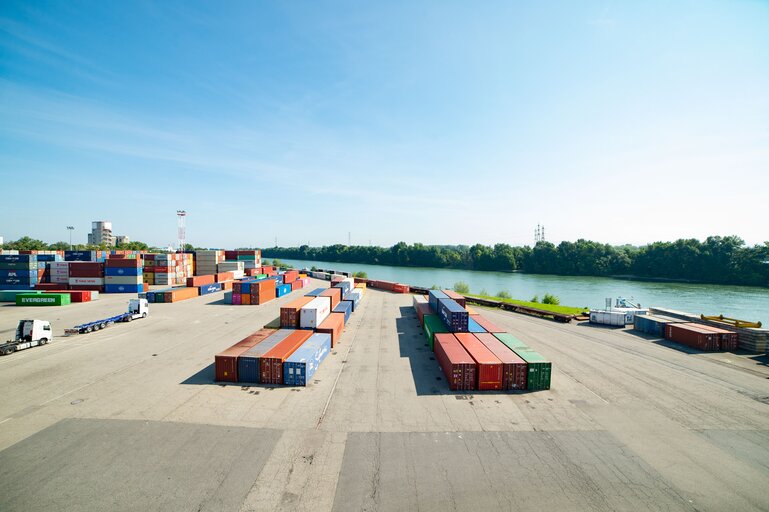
(443, 123)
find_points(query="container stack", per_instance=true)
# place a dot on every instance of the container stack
(86, 275)
(19, 271)
(58, 272)
(123, 275)
(167, 269)
(473, 352)
(206, 262)
(251, 259)
(695, 335)
(236, 267)
(292, 354)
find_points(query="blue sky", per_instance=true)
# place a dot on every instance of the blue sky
(434, 122)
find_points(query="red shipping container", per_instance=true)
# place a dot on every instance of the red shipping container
(290, 276)
(514, 369)
(289, 314)
(459, 299)
(85, 269)
(489, 366)
(423, 309)
(296, 285)
(93, 288)
(458, 367)
(333, 325)
(224, 276)
(226, 363)
(727, 340)
(163, 269)
(486, 324)
(51, 286)
(123, 262)
(334, 293)
(200, 280)
(692, 335)
(271, 363)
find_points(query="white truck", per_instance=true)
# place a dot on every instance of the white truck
(29, 333)
(137, 308)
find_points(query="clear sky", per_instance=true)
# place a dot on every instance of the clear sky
(434, 122)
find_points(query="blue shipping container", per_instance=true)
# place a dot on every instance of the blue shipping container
(304, 362)
(345, 286)
(209, 288)
(7, 272)
(473, 326)
(344, 306)
(228, 297)
(248, 362)
(453, 315)
(283, 289)
(123, 271)
(654, 325)
(123, 288)
(20, 281)
(433, 298)
(48, 257)
(18, 258)
(11, 286)
(315, 292)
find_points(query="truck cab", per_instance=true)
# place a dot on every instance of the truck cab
(34, 330)
(138, 308)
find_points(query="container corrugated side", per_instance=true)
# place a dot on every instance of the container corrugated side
(248, 362)
(304, 362)
(271, 362)
(489, 372)
(514, 369)
(457, 365)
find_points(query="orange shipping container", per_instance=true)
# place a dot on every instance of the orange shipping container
(271, 363)
(333, 325)
(289, 314)
(226, 363)
(200, 280)
(336, 296)
(180, 294)
(245, 299)
(226, 285)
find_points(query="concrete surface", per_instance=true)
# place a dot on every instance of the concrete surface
(130, 419)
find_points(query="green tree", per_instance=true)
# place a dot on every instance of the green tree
(504, 295)
(550, 299)
(461, 287)
(361, 274)
(26, 243)
(59, 246)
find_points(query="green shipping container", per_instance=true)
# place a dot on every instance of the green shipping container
(433, 325)
(539, 369)
(511, 341)
(10, 295)
(42, 299)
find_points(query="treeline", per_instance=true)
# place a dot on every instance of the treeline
(26, 243)
(720, 260)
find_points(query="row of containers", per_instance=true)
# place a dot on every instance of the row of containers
(309, 328)
(390, 286)
(271, 287)
(95, 271)
(699, 336)
(475, 354)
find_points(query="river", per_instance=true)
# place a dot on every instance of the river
(744, 302)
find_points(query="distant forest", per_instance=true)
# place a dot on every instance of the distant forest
(720, 260)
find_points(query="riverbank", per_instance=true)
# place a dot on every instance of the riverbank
(554, 308)
(744, 302)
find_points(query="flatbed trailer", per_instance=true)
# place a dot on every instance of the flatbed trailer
(137, 308)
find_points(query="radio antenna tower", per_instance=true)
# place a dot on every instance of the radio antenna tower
(181, 215)
(539, 234)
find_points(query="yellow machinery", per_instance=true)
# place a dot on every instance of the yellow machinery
(732, 321)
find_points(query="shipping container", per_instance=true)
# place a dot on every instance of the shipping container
(453, 315)
(539, 369)
(692, 335)
(123, 288)
(300, 366)
(282, 289)
(226, 362)
(344, 307)
(473, 326)
(314, 312)
(613, 318)
(289, 314)
(489, 367)
(457, 365)
(653, 324)
(484, 322)
(42, 299)
(271, 362)
(333, 325)
(433, 296)
(315, 292)
(432, 326)
(459, 299)
(248, 362)
(423, 309)
(201, 280)
(335, 294)
(727, 340)
(514, 370)
(511, 341)
(205, 289)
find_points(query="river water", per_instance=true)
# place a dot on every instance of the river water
(744, 302)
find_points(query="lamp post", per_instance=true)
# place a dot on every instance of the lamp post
(70, 229)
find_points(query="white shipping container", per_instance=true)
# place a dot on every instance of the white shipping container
(615, 318)
(60, 279)
(123, 279)
(58, 265)
(229, 266)
(630, 313)
(314, 312)
(87, 281)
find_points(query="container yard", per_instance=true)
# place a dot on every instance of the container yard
(378, 404)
